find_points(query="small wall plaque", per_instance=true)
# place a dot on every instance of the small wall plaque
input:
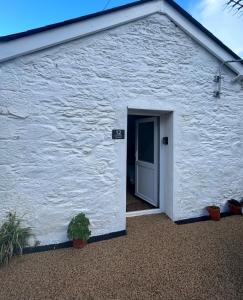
(118, 134)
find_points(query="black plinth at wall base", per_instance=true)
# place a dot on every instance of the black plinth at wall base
(199, 219)
(68, 244)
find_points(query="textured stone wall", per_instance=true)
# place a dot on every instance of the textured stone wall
(58, 107)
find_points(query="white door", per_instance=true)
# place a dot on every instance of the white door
(146, 165)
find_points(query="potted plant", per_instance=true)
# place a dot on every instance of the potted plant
(13, 237)
(78, 230)
(241, 202)
(234, 206)
(214, 212)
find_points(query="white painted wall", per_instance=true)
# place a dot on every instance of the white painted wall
(58, 107)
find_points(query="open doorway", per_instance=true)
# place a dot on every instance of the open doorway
(142, 162)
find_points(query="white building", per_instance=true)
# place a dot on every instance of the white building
(147, 68)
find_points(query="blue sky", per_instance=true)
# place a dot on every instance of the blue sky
(21, 15)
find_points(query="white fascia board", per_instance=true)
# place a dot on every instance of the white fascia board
(52, 37)
(199, 36)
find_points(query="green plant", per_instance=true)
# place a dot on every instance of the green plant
(214, 206)
(234, 202)
(78, 228)
(13, 237)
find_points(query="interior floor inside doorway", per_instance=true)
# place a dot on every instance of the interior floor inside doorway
(134, 203)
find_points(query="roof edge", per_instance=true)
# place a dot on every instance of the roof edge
(14, 36)
(201, 27)
(27, 42)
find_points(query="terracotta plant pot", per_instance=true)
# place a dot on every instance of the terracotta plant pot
(214, 213)
(79, 244)
(235, 207)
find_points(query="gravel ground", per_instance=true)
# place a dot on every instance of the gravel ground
(156, 260)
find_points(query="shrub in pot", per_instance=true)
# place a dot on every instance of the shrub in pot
(234, 206)
(78, 230)
(241, 203)
(13, 237)
(214, 212)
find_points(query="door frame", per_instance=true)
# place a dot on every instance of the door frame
(163, 153)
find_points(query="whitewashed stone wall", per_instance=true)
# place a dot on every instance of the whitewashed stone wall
(58, 107)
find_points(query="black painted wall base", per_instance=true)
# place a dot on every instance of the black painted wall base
(68, 244)
(199, 219)
(109, 236)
